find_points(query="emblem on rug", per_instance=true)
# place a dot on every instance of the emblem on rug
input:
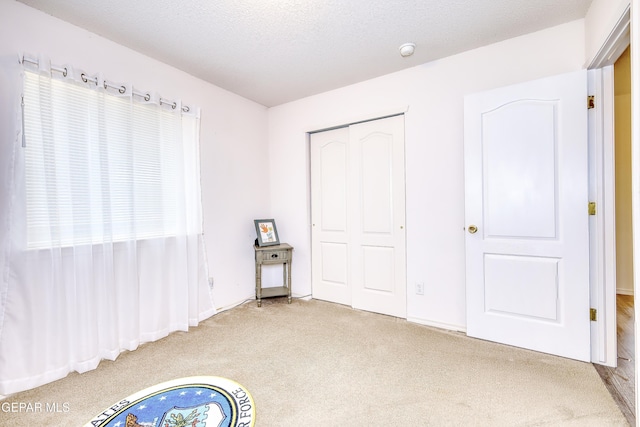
(185, 402)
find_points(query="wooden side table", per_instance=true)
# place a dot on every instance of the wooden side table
(276, 254)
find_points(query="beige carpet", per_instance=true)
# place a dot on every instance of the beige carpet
(314, 363)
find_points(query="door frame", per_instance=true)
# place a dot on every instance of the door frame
(602, 232)
(602, 191)
(635, 168)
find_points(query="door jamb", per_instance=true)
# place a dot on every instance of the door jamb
(602, 250)
(602, 191)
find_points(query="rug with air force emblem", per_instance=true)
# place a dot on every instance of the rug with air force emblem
(201, 401)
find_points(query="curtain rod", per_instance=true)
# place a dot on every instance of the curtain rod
(121, 88)
(63, 70)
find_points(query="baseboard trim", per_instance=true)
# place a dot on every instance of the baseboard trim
(439, 325)
(624, 291)
(253, 298)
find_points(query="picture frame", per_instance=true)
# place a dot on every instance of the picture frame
(267, 232)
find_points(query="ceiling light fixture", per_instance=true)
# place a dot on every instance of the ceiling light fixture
(407, 49)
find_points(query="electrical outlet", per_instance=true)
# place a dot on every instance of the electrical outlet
(419, 288)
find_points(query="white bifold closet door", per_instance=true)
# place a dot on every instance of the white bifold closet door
(358, 216)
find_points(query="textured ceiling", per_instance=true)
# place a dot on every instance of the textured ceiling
(275, 51)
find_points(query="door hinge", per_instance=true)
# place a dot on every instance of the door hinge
(592, 208)
(593, 314)
(591, 102)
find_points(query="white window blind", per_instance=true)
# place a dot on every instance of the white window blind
(104, 210)
(99, 167)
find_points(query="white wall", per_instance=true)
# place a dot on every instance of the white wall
(255, 162)
(601, 19)
(233, 134)
(434, 94)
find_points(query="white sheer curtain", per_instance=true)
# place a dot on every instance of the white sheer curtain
(102, 244)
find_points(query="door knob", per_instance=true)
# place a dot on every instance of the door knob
(472, 229)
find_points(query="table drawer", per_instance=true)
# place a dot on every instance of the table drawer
(275, 256)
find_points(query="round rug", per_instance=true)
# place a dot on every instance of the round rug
(201, 401)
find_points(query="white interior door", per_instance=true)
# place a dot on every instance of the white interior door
(526, 194)
(358, 214)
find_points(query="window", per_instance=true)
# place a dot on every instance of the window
(103, 210)
(101, 167)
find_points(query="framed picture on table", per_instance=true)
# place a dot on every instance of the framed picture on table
(267, 232)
